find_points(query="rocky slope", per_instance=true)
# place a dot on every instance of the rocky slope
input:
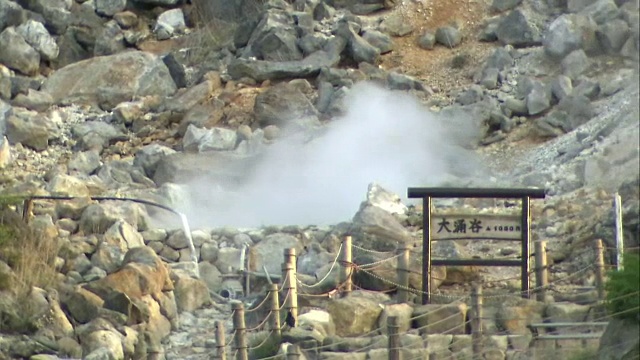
(199, 105)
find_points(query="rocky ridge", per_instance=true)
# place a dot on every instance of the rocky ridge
(112, 98)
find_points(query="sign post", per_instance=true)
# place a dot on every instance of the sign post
(444, 227)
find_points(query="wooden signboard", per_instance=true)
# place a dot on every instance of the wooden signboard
(476, 227)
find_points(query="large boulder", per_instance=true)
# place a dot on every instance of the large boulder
(142, 273)
(282, 104)
(518, 30)
(190, 293)
(275, 38)
(435, 318)
(36, 35)
(17, 54)
(270, 251)
(97, 218)
(620, 340)
(356, 314)
(11, 14)
(30, 129)
(570, 32)
(377, 229)
(261, 70)
(110, 80)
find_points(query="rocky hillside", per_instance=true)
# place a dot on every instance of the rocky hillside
(264, 121)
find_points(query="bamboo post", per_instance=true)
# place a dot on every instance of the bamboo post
(293, 352)
(240, 330)
(290, 287)
(600, 269)
(542, 275)
(403, 275)
(275, 310)
(220, 341)
(476, 321)
(346, 269)
(394, 338)
(27, 209)
(619, 234)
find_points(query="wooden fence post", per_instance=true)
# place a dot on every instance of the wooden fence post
(346, 268)
(542, 275)
(27, 209)
(476, 321)
(394, 338)
(600, 269)
(240, 331)
(403, 275)
(290, 287)
(275, 310)
(293, 352)
(220, 341)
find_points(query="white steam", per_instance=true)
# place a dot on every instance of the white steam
(385, 137)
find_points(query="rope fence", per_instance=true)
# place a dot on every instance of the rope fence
(455, 323)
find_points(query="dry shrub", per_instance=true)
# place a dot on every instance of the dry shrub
(31, 256)
(215, 23)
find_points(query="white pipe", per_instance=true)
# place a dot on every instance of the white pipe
(192, 248)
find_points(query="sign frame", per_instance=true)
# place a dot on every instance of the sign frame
(427, 194)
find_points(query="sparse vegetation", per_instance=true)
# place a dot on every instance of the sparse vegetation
(623, 290)
(215, 26)
(31, 257)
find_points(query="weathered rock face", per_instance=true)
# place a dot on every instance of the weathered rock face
(109, 80)
(356, 314)
(17, 54)
(282, 104)
(450, 318)
(620, 340)
(270, 251)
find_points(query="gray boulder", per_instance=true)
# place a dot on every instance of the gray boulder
(169, 23)
(274, 39)
(427, 40)
(36, 35)
(620, 340)
(270, 251)
(570, 32)
(282, 104)
(17, 54)
(377, 229)
(448, 36)
(110, 40)
(98, 218)
(215, 139)
(561, 86)
(574, 64)
(499, 59)
(85, 162)
(310, 66)
(613, 35)
(518, 30)
(5, 83)
(357, 48)
(396, 25)
(538, 99)
(11, 14)
(109, 7)
(31, 130)
(110, 80)
(216, 166)
(148, 157)
(33, 100)
(602, 11)
(380, 40)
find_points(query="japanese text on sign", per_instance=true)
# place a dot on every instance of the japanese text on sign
(475, 226)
